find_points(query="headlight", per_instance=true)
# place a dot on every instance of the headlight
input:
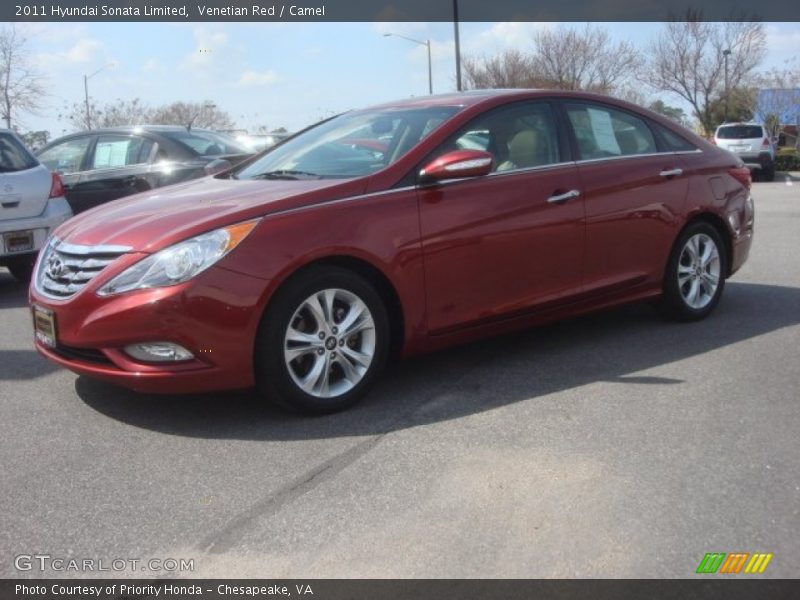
(179, 262)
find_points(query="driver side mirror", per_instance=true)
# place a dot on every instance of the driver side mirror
(456, 165)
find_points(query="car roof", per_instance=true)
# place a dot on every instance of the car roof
(748, 124)
(476, 97)
(140, 128)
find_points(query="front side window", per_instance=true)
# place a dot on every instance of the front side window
(13, 155)
(120, 151)
(603, 132)
(354, 144)
(520, 136)
(66, 157)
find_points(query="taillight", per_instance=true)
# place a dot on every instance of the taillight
(742, 175)
(765, 143)
(56, 187)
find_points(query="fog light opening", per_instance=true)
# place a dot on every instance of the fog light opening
(160, 352)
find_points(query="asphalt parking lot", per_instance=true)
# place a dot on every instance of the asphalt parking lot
(614, 445)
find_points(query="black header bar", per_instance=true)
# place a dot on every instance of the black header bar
(395, 10)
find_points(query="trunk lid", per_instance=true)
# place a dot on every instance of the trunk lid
(24, 194)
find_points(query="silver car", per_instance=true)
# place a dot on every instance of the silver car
(751, 143)
(32, 204)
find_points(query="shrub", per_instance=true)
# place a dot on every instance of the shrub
(787, 162)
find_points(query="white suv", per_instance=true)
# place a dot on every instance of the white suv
(751, 143)
(32, 204)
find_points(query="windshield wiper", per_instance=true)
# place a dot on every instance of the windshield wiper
(287, 174)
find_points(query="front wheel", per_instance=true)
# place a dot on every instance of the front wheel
(695, 274)
(323, 341)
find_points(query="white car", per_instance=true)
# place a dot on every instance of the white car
(751, 143)
(32, 204)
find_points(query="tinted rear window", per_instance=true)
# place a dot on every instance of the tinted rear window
(206, 143)
(740, 132)
(13, 155)
(674, 142)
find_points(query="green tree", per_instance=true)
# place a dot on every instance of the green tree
(675, 113)
(689, 59)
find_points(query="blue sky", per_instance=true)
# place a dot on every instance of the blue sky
(280, 74)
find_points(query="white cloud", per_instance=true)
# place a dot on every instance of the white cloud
(82, 51)
(253, 78)
(153, 65)
(502, 36)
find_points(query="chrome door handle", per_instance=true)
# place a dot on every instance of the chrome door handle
(671, 173)
(563, 197)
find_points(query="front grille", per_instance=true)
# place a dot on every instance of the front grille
(65, 269)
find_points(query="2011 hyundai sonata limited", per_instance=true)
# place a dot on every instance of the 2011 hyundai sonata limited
(392, 231)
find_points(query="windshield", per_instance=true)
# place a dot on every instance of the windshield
(13, 155)
(206, 143)
(351, 145)
(740, 132)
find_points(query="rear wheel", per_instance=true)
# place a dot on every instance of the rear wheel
(695, 274)
(323, 342)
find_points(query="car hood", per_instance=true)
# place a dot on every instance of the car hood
(152, 220)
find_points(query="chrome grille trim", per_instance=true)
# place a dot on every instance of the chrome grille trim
(64, 269)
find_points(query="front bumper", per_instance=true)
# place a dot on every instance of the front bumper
(56, 211)
(215, 316)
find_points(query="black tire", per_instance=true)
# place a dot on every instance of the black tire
(674, 304)
(273, 377)
(768, 173)
(22, 267)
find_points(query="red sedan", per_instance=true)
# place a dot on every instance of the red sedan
(302, 271)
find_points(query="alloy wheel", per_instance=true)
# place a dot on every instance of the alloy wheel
(329, 344)
(699, 271)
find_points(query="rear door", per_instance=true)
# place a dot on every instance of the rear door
(118, 165)
(500, 244)
(635, 190)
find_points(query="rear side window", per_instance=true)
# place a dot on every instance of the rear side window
(674, 142)
(119, 151)
(67, 156)
(603, 132)
(13, 155)
(740, 132)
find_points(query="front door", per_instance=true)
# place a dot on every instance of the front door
(511, 241)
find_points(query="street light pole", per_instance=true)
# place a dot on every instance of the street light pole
(430, 69)
(726, 53)
(86, 96)
(86, 79)
(427, 44)
(458, 45)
